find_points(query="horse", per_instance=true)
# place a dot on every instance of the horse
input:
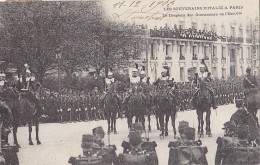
(252, 102)
(111, 105)
(136, 105)
(24, 108)
(203, 105)
(166, 107)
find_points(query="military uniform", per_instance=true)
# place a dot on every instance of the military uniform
(204, 76)
(249, 82)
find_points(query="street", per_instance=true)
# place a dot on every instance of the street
(60, 141)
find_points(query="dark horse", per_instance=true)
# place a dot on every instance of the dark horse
(111, 105)
(203, 105)
(252, 102)
(23, 109)
(136, 106)
(165, 102)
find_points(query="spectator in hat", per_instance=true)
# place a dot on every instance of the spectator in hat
(243, 117)
(249, 81)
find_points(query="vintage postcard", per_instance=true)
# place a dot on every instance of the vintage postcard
(129, 82)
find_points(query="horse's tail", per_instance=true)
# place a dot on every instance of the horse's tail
(4, 109)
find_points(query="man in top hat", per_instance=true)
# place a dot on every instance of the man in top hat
(249, 81)
(204, 75)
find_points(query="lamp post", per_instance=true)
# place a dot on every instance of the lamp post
(58, 57)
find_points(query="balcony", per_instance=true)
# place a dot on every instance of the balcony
(223, 39)
(248, 40)
(231, 39)
(194, 57)
(206, 58)
(168, 58)
(240, 39)
(223, 59)
(181, 57)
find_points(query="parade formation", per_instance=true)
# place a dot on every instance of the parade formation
(119, 83)
(24, 100)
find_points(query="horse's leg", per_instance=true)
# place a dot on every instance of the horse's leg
(149, 121)
(15, 125)
(30, 132)
(208, 131)
(114, 121)
(173, 117)
(161, 120)
(202, 124)
(108, 123)
(167, 116)
(37, 131)
(199, 121)
(157, 120)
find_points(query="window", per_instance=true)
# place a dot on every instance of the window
(223, 30)
(167, 49)
(205, 27)
(240, 33)
(182, 56)
(194, 25)
(232, 70)
(182, 74)
(214, 51)
(232, 55)
(241, 53)
(152, 51)
(233, 34)
(248, 53)
(223, 73)
(182, 25)
(205, 52)
(214, 28)
(223, 52)
(194, 53)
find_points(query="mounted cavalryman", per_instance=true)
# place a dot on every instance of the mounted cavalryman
(204, 75)
(249, 82)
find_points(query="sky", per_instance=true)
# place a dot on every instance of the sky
(154, 12)
(159, 12)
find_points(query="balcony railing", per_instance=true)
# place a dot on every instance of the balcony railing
(223, 39)
(168, 58)
(181, 57)
(231, 39)
(240, 39)
(194, 57)
(248, 40)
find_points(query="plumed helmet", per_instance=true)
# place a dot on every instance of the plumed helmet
(26, 65)
(134, 70)
(164, 70)
(142, 72)
(202, 66)
(2, 75)
(248, 69)
(110, 74)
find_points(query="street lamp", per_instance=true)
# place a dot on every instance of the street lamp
(58, 57)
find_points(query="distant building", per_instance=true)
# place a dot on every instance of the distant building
(228, 48)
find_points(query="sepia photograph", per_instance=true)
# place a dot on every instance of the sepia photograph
(129, 82)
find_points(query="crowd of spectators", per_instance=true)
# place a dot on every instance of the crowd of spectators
(166, 32)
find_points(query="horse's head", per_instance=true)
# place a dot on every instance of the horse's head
(137, 90)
